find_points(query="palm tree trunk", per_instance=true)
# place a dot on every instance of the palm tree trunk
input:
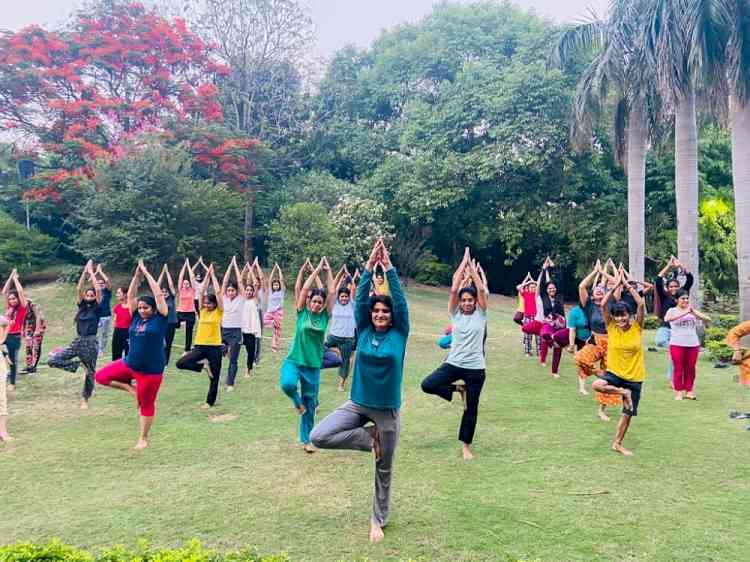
(739, 118)
(686, 189)
(637, 139)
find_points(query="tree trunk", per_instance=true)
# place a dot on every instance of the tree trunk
(637, 139)
(249, 208)
(686, 189)
(739, 119)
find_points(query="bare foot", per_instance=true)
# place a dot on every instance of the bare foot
(230, 388)
(602, 415)
(206, 406)
(690, 396)
(622, 450)
(11, 387)
(142, 444)
(543, 364)
(461, 389)
(309, 449)
(301, 410)
(468, 455)
(5, 437)
(678, 396)
(376, 533)
(248, 374)
(84, 404)
(582, 388)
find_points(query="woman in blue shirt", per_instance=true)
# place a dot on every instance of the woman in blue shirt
(146, 358)
(382, 332)
(465, 362)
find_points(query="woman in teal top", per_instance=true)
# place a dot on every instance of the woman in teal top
(382, 331)
(302, 366)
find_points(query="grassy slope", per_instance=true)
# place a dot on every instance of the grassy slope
(684, 496)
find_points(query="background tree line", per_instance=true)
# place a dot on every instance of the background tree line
(481, 125)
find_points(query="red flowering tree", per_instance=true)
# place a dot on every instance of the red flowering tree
(113, 72)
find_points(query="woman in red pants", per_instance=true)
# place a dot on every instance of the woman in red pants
(684, 344)
(145, 360)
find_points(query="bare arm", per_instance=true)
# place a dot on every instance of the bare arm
(170, 283)
(301, 298)
(132, 299)
(217, 288)
(82, 282)
(583, 291)
(479, 284)
(640, 312)
(100, 272)
(161, 302)
(331, 285)
(19, 289)
(298, 283)
(238, 275)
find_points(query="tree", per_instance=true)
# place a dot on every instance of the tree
(113, 71)
(360, 222)
(303, 231)
(147, 205)
(27, 250)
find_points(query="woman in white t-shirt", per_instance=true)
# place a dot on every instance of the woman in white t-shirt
(465, 361)
(252, 318)
(684, 344)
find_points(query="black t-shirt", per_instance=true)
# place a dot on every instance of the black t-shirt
(87, 319)
(594, 316)
(553, 307)
(667, 301)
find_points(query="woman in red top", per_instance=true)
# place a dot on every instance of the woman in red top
(15, 312)
(186, 302)
(123, 318)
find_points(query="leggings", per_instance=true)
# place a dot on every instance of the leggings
(557, 339)
(441, 382)
(683, 360)
(120, 346)
(146, 386)
(33, 349)
(168, 339)
(82, 350)
(249, 341)
(308, 380)
(189, 319)
(193, 361)
(13, 344)
(274, 319)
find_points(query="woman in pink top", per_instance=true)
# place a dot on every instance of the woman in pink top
(186, 302)
(123, 318)
(530, 326)
(684, 344)
(15, 312)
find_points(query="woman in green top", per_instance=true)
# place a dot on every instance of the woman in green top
(302, 365)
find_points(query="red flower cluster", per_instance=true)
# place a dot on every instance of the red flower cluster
(110, 75)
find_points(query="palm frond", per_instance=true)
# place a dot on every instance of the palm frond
(586, 37)
(735, 17)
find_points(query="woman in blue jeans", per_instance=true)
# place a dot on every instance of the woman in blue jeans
(666, 286)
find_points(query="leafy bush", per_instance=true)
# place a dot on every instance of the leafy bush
(147, 205)
(431, 271)
(304, 231)
(193, 551)
(651, 322)
(26, 250)
(714, 333)
(725, 322)
(719, 351)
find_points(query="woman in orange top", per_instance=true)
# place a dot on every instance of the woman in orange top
(626, 369)
(186, 302)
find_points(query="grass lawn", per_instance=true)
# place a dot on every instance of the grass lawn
(544, 485)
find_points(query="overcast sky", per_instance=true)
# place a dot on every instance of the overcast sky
(339, 22)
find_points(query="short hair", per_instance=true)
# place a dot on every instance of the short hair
(382, 299)
(470, 290)
(620, 309)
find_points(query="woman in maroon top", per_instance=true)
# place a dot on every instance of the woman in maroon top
(15, 312)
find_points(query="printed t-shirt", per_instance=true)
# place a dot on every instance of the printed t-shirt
(209, 327)
(307, 349)
(625, 352)
(467, 348)
(683, 331)
(146, 340)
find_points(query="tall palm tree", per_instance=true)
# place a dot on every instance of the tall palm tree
(667, 41)
(617, 73)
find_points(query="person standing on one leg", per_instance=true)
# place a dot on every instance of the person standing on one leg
(84, 348)
(684, 344)
(146, 359)
(251, 317)
(16, 308)
(231, 322)
(626, 369)
(343, 326)
(105, 310)
(275, 306)
(123, 319)
(302, 366)
(4, 435)
(382, 333)
(168, 292)
(208, 345)
(553, 324)
(186, 302)
(34, 328)
(468, 311)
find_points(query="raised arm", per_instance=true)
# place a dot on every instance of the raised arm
(132, 300)
(217, 288)
(299, 282)
(81, 287)
(605, 307)
(331, 286)
(161, 302)
(170, 282)
(95, 285)
(640, 312)
(400, 314)
(227, 276)
(19, 289)
(181, 275)
(301, 298)
(583, 286)
(458, 276)
(479, 284)
(100, 273)
(281, 275)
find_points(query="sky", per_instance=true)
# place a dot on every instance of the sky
(339, 22)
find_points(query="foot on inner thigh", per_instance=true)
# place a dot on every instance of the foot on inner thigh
(602, 415)
(618, 448)
(627, 399)
(301, 410)
(376, 533)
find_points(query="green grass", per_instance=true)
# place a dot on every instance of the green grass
(544, 485)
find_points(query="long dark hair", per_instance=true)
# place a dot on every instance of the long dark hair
(148, 300)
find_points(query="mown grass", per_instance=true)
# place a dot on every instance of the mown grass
(544, 485)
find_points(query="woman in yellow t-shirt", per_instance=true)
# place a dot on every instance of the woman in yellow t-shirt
(207, 344)
(625, 366)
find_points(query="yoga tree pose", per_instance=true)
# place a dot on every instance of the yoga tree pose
(187, 297)
(16, 307)
(382, 332)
